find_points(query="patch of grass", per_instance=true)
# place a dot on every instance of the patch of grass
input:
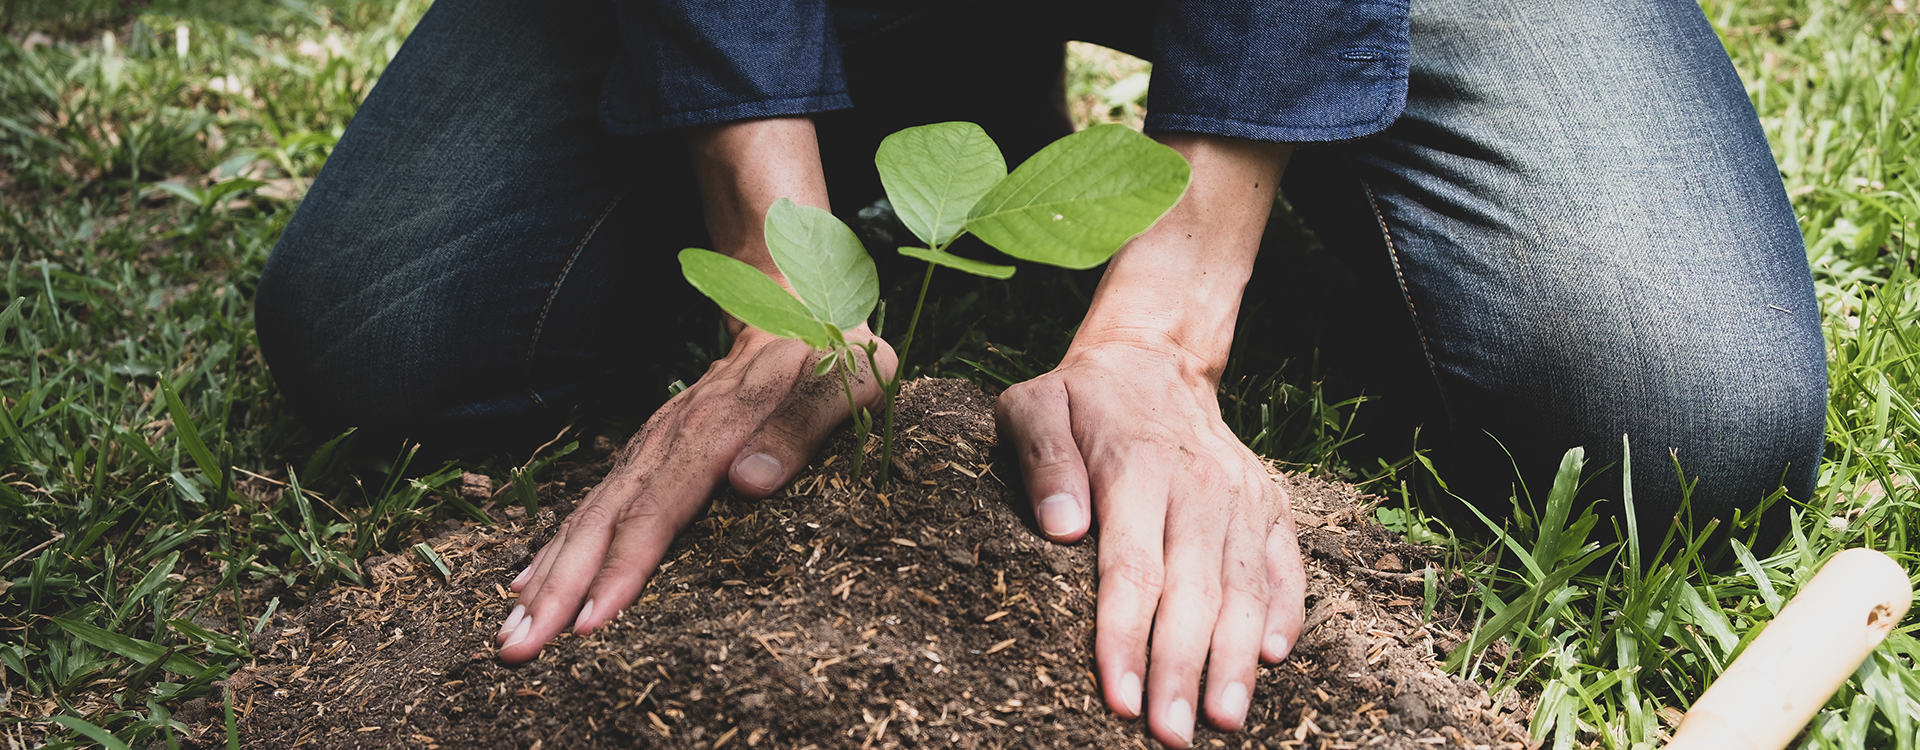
(157, 502)
(1617, 649)
(150, 513)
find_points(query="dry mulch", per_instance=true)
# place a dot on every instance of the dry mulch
(832, 616)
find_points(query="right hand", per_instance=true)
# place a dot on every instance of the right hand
(754, 421)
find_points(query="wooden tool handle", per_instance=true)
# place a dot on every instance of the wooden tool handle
(1788, 672)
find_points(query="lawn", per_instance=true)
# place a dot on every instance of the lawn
(158, 502)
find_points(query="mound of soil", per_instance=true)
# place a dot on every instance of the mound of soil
(831, 616)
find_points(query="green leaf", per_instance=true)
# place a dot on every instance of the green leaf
(1559, 501)
(934, 174)
(746, 293)
(825, 263)
(87, 729)
(977, 268)
(140, 651)
(427, 555)
(1081, 198)
(189, 435)
(196, 197)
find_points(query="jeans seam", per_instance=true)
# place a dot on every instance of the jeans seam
(1400, 277)
(540, 323)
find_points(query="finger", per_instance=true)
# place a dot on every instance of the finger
(552, 599)
(1037, 417)
(1287, 582)
(1189, 610)
(1233, 662)
(650, 433)
(639, 541)
(1132, 507)
(790, 436)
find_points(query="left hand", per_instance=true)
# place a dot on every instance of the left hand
(1197, 542)
(1197, 546)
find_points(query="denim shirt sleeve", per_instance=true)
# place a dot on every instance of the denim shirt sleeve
(1279, 70)
(693, 62)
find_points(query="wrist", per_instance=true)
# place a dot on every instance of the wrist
(1176, 288)
(742, 168)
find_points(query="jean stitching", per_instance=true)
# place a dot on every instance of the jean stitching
(554, 293)
(1400, 276)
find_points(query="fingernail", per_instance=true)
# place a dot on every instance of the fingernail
(1233, 700)
(760, 470)
(1058, 515)
(521, 580)
(1277, 645)
(586, 611)
(519, 632)
(513, 619)
(1180, 719)
(1130, 692)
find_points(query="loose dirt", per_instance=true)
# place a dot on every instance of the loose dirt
(835, 616)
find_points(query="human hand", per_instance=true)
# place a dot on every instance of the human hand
(754, 420)
(1197, 542)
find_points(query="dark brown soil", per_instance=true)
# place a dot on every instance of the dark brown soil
(835, 616)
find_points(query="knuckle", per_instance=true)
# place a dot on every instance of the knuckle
(1134, 571)
(783, 433)
(590, 516)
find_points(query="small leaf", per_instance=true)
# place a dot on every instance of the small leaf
(230, 187)
(825, 263)
(1082, 197)
(975, 267)
(196, 197)
(824, 366)
(427, 555)
(746, 293)
(934, 174)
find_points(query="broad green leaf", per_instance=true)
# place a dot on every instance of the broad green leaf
(141, 651)
(825, 263)
(746, 293)
(975, 267)
(1081, 198)
(934, 174)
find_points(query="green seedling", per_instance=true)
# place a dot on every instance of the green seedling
(1072, 205)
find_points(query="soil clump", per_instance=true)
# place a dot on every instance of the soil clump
(835, 616)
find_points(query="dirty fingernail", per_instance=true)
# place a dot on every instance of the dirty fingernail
(1180, 719)
(519, 632)
(760, 470)
(1277, 645)
(513, 619)
(1058, 515)
(521, 580)
(586, 611)
(1130, 692)
(1233, 700)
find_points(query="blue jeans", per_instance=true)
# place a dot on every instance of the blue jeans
(1575, 232)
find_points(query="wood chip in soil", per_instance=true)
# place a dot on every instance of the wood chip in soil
(835, 616)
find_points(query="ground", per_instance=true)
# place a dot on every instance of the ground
(832, 615)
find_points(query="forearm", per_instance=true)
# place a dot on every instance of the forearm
(742, 168)
(1180, 283)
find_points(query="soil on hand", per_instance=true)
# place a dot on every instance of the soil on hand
(832, 615)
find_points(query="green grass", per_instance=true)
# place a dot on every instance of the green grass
(157, 501)
(1609, 647)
